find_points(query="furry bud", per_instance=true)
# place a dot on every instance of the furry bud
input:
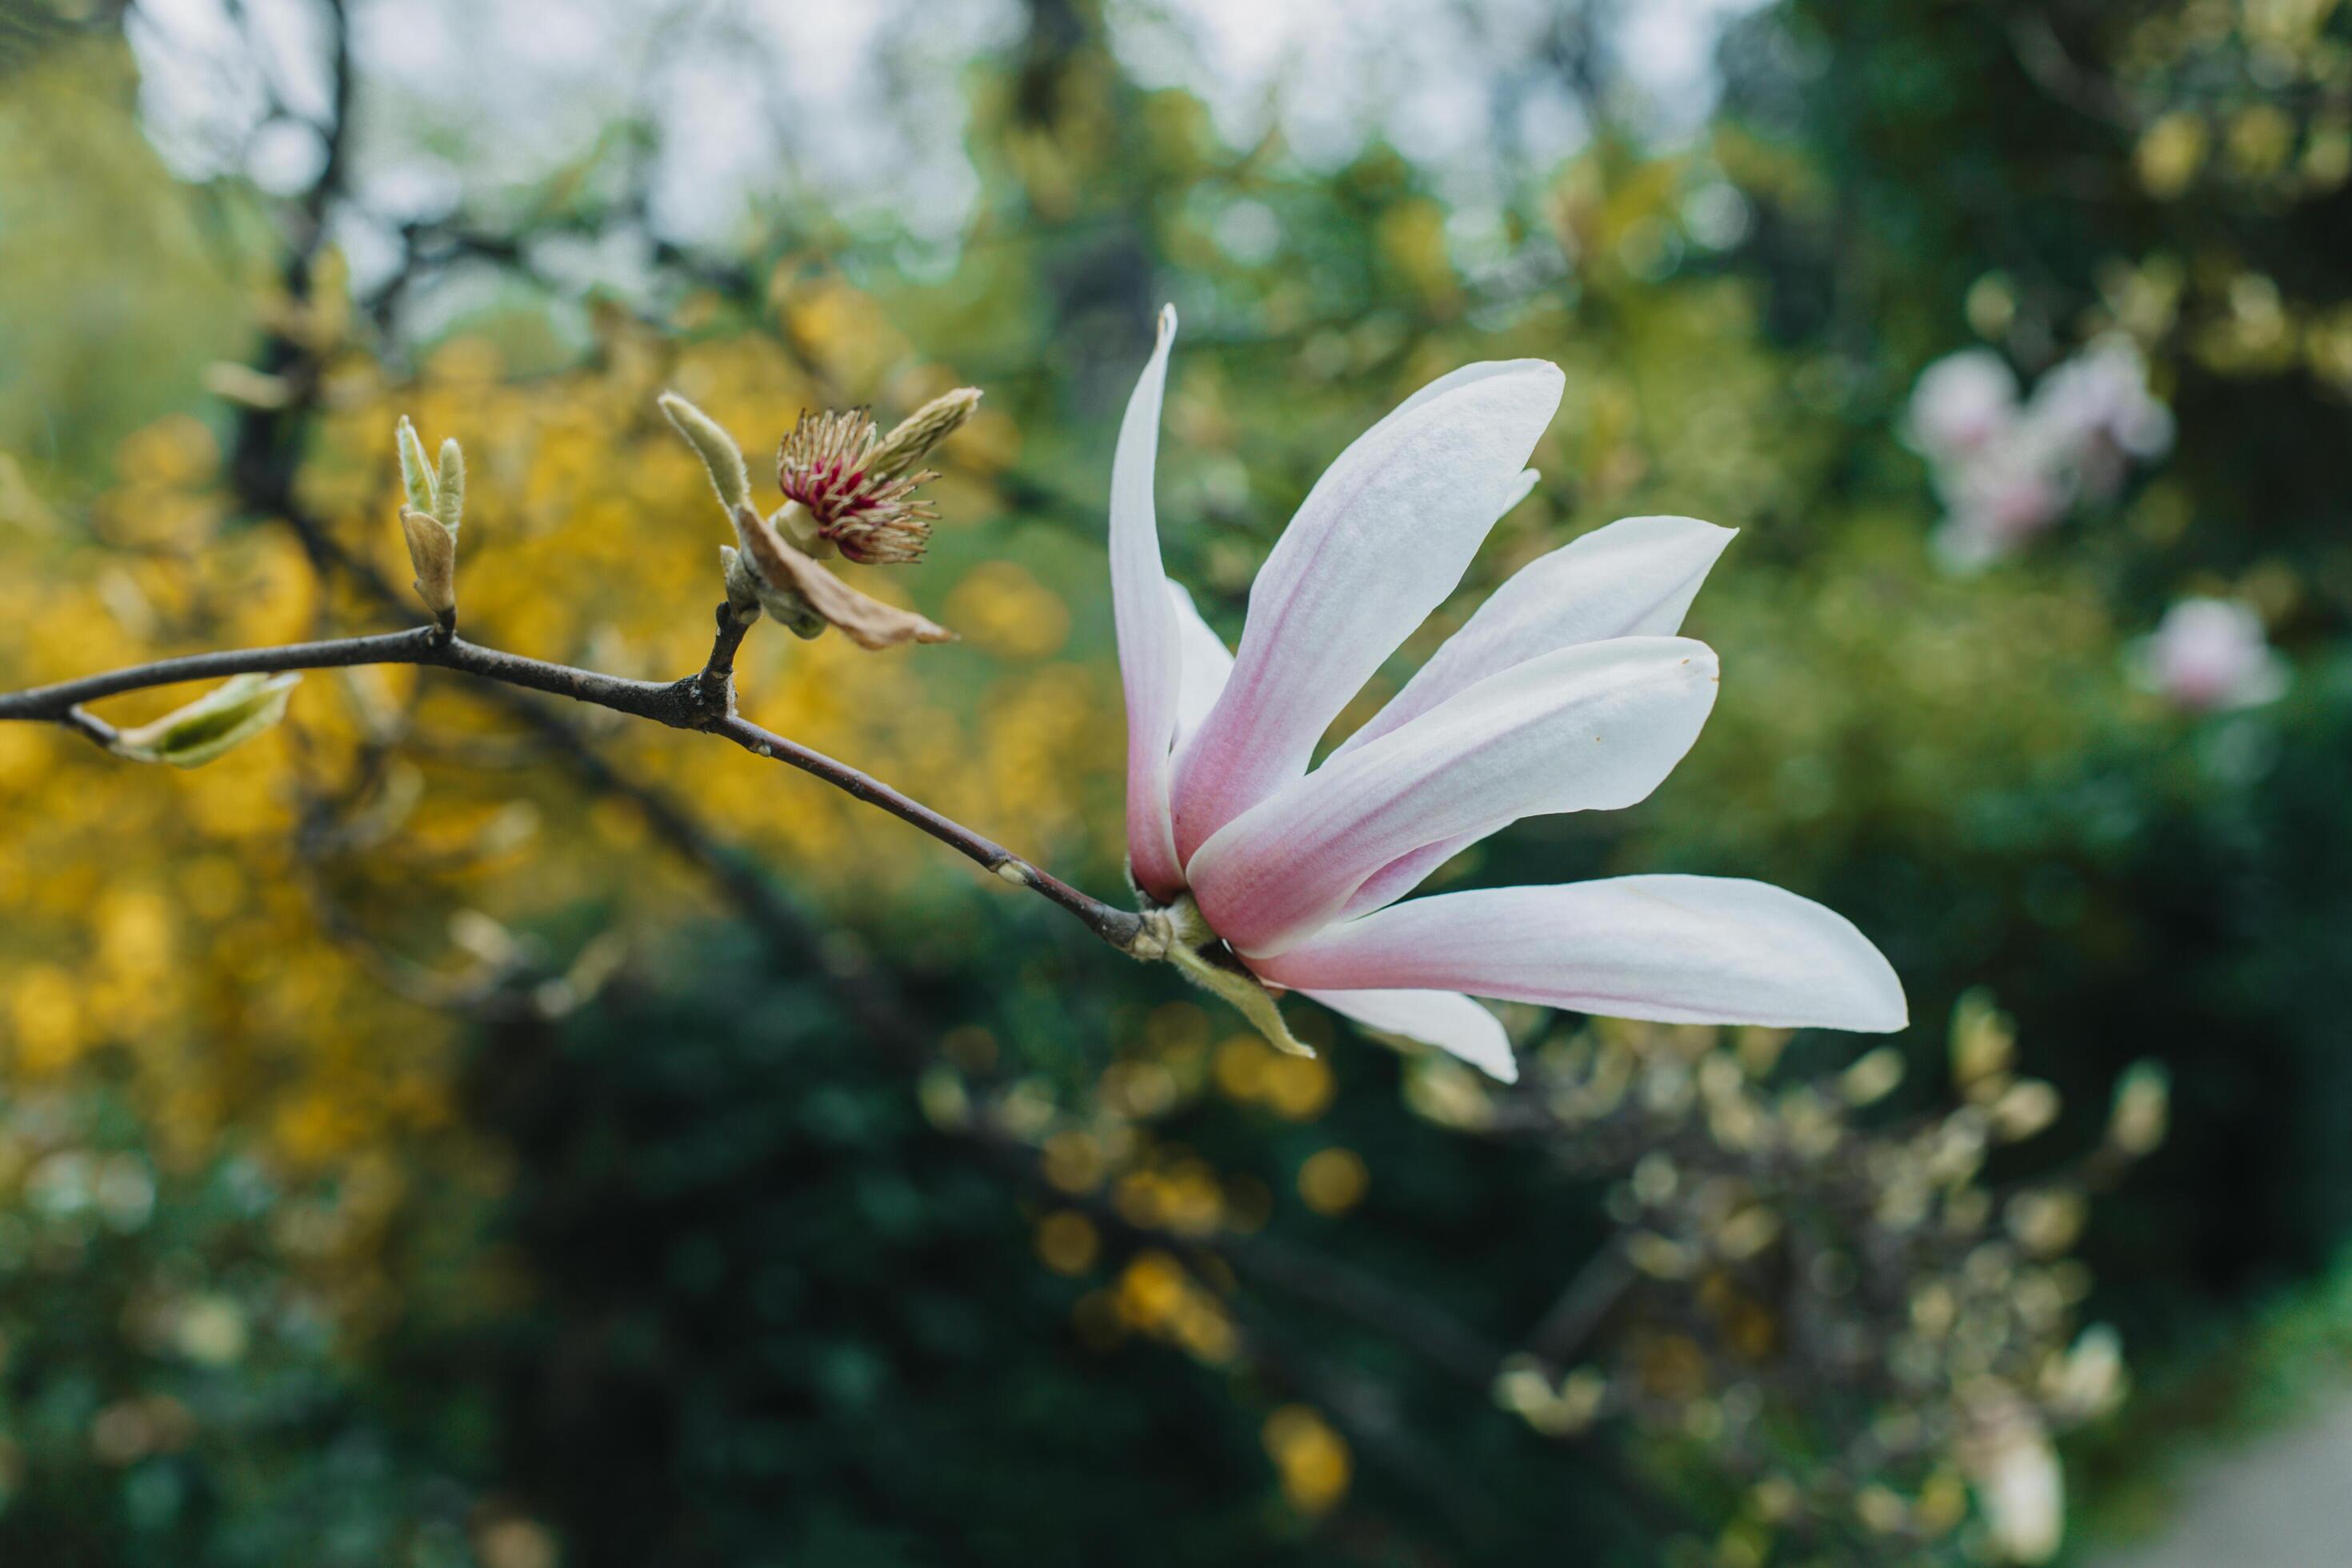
(219, 721)
(717, 449)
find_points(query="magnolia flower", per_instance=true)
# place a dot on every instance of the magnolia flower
(1961, 404)
(2002, 494)
(1567, 691)
(2009, 469)
(2210, 655)
(2100, 399)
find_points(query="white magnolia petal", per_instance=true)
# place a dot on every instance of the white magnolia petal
(1149, 659)
(1680, 950)
(1446, 1019)
(1379, 542)
(1636, 577)
(1403, 875)
(1205, 660)
(1593, 727)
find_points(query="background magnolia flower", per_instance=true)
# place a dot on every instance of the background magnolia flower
(2210, 655)
(1566, 691)
(2101, 395)
(2009, 468)
(2000, 496)
(1960, 402)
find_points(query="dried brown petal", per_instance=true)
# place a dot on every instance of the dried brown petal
(868, 622)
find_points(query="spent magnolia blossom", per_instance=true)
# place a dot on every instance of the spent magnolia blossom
(827, 466)
(772, 566)
(1567, 690)
(2210, 656)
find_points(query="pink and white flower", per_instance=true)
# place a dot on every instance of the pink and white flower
(2210, 656)
(1566, 691)
(2008, 470)
(1961, 404)
(2100, 399)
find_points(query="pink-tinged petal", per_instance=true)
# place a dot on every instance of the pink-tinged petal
(1403, 875)
(1680, 950)
(1205, 660)
(1590, 727)
(1446, 1019)
(1379, 542)
(1149, 653)
(1634, 578)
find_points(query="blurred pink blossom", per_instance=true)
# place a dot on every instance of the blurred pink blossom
(1961, 403)
(2210, 656)
(2098, 401)
(2009, 469)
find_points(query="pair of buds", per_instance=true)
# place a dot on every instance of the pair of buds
(435, 511)
(847, 489)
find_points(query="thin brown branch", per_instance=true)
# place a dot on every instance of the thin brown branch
(704, 700)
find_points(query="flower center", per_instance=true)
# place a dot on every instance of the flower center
(827, 465)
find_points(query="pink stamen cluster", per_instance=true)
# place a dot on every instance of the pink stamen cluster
(827, 465)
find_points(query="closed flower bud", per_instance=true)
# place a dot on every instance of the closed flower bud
(749, 595)
(920, 431)
(1984, 1040)
(719, 454)
(449, 498)
(221, 720)
(2142, 1109)
(433, 551)
(2014, 1472)
(743, 585)
(1872, 1077)
(2025, 1109)
(415, 467)
(2089, 1380)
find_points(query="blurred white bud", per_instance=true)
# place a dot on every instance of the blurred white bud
(1983, 1042)
(2142, 1109)
(2089, 1380)
(1872, 1078)
(2026, 1108)
(2047, 1221)
(2014, 1472)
